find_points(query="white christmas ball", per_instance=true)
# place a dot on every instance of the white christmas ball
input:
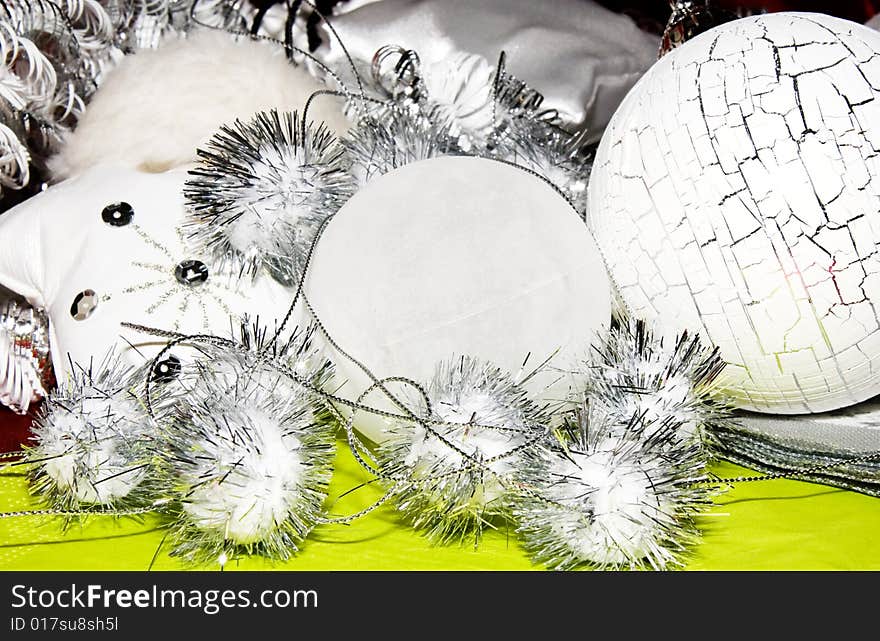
(736, 191)
(456, 256)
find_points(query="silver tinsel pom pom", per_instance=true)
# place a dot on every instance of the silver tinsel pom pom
(262, 191)
(247, 453)
(451, 478)
(632, 373)
(610, 496)
(561, 158)
(43, 82)
(94, 441)
(393, 138)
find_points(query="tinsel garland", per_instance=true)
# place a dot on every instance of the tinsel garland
(25, 364)
(619, 485)
(462, 106)
(635, 374)
(393, 139)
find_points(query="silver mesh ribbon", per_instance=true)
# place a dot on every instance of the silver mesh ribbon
(837, 442)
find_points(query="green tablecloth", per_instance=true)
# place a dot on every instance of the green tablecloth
(768, 525)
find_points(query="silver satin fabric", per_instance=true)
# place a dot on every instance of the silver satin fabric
(582, 57)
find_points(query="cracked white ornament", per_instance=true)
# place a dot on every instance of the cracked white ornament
(737, 190)
(456, 255)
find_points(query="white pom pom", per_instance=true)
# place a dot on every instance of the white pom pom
(450, 474)
(611, 497)
(248, 451)
(94, 441)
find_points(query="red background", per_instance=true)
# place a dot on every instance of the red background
(13, 430)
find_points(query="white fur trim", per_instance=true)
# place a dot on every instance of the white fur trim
(154, 110)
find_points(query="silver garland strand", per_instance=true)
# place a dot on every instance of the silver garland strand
(93, 441)
(451, 478)
(612, 495)
(42, 89)
(262, 190)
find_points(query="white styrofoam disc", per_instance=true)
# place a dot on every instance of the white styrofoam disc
(456, 256)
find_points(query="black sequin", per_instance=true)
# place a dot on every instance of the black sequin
(118, 214)
(191, 272)
(166, 369)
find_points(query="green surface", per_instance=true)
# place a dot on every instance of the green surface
(768, 525)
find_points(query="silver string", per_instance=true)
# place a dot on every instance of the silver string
(154, 506)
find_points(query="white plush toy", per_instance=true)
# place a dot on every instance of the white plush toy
(105, 248)
(457, 256)
(736, 191)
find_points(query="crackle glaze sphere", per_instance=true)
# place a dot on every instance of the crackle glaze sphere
(737, 192)
(456, 257)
